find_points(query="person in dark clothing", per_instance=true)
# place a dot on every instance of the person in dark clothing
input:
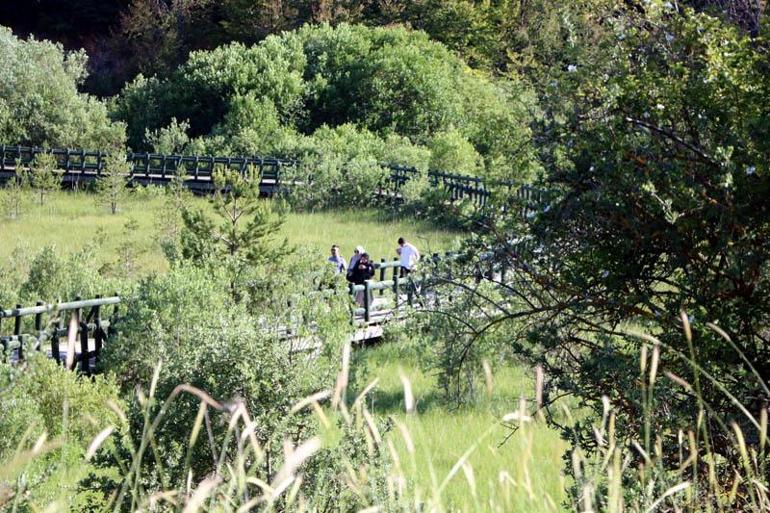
(362, 271)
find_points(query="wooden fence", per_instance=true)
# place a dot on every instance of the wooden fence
(406, 291)
(81, 321)
(82, 166)
(389, 297)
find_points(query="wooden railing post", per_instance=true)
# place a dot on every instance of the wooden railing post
(98, 333)
(83, 332)
(395, 289)
(352, 294)
(382, 274)
(367, 300)
(17, 333)
(39, 327)
(55, 354)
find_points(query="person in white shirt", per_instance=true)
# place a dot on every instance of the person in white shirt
(409, 256)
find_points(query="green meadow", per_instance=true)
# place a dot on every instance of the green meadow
(501, 465)
(465, 454)
(72, 221)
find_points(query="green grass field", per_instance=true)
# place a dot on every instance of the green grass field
(71, 221)
(519, 473)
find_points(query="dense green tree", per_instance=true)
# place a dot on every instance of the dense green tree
(389, 81)
(659, 207)
(39, 99)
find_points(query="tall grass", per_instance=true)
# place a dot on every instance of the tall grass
(406, 467)
(72, 221)
(442, 432)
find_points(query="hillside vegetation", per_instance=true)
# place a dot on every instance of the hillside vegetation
(623, 308)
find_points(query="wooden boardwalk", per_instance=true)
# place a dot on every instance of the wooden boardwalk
(75, 332)
(80, 167)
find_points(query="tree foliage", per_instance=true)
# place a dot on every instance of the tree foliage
(240, 237)
(39, 99)
(45, 175)
(112, 185)
(17, 192)
(658, 207)
(389, 81)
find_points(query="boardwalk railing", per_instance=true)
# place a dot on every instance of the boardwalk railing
(80, 321)
(385, 299)
(82, 166)
(370, 307)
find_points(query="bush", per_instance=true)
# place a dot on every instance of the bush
(42, 397)
(52, 277)
(40, 104)
(451, 151)
(188, 321)
(339, 167)
(169, 140)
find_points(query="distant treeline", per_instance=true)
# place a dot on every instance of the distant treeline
(126, 37)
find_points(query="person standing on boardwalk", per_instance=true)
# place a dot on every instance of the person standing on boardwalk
(409, 256)
(336, 260)
(354, 260)
(363, 270)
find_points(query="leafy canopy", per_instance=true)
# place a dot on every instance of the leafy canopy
(390, 81)
(39, 99)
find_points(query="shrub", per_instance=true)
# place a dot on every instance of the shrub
(451, 151)
(338, 167)
(39, 101)
(52, 277)
(169, 140)
(228, 352)
(16, 193)
(45, 175)
(40, 398)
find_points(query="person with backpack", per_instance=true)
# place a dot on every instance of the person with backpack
(353, 261)
(363, 270)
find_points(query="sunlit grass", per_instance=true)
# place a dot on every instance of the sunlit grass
(527, 464)
(72, 221)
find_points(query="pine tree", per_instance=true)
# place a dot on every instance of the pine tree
(17, 192)
(46, 178)
(111, 187)
(241, 235)
(169, 221)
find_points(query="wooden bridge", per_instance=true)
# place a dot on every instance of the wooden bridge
(74, 333)
(385, 299)
(80, 167)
